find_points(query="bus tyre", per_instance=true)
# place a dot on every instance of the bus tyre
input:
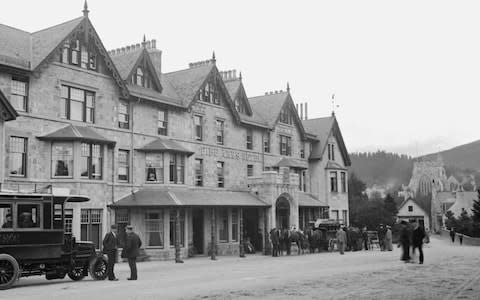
(9, 271)
(98, 268)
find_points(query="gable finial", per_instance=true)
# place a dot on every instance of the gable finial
(213, 58)
(144, 42)
(288, 87)
(334, 105)
(85, 9)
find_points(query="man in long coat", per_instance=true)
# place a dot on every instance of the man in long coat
(405, 241)
(417, 240)
(341, 239)
(132, 251)
(110, 246)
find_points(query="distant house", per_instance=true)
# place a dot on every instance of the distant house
(412, 210)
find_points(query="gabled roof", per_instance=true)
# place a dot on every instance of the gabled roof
(45, 41)
(236, 90)
(152, 95)
(28, 51)
(267, 109)
(126, 61)
(322, 128)
(165, 145)
(8, 112)
(186, 83)
(76, 133)
(424, 207)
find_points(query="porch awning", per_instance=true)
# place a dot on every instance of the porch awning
(146, 198)
(291, 163)
(334, 166)
(187, 197)
(309, 200)
(76, 133)
(165, 145)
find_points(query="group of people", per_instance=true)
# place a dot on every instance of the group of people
(354, 239)
(453, 234)
(131, 251)
(411, 236)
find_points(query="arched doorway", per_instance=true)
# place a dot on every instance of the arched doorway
(282, 209)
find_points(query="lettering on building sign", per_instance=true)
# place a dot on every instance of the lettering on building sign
(9, 238)
(283, 130)
(229, 154)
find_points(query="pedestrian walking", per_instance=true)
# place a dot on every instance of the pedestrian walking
(460, 238)
(132, 251)
(388, 239)
(405, 241)
(341, 239)
(417, 240)
(452, 234)
(110, 246)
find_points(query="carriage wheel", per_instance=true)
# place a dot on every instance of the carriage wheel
(98, 268)
(9, 271)
(76, 274)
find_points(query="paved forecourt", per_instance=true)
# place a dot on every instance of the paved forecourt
(449, 272)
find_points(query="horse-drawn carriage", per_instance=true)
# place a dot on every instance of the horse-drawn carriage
(33, 242)
(329, 230)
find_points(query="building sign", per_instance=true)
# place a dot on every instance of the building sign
(220, 153)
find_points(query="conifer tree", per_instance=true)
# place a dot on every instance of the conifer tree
(476, 208)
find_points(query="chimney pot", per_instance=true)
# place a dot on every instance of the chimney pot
(128, 49)
(123, 50)
(138, 46)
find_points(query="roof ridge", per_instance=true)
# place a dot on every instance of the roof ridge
(63, 23)
(187, 69)
(262, 96)
(11, 27)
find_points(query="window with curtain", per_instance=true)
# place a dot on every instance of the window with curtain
(154, 229)
(177, 168)
(154, 167)
(198, 121)
(18, 156)
(162, 123)
(62, 159)
(19, 93)
(220, 136)
(198, 172)
(91, 161)
(123, 115)
(78, 104)
(123, 165)
(220, 174)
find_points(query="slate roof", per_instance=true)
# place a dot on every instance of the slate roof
(165, 145)
(46, 40)
(76, 133)
(26, 50)
(11, 113)
(322, 128)
(267, 108)
(153, 95)
(151, 197)
(309, 200)
(187, 82)
(125, 62)
(233, 87)
(291, 162)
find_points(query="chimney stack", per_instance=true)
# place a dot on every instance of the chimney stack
(306, 116)
(301, 111)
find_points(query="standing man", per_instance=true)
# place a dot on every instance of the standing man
(132, 251)
(381, 237)
(110, 245)
(388, 238)
(365, 237)
(405, 241)
(417, 240)
(452, 234)
(341, 239)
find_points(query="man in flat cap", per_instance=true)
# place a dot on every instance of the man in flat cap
(131, 251)
(110, 246)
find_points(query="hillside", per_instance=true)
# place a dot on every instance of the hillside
(466, 156)
(382, 168)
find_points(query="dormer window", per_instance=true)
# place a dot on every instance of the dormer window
(210, 93)
(77, 53)
(286, 116)
(239, 106)
(141, 78)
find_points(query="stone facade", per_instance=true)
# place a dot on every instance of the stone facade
(251, 170)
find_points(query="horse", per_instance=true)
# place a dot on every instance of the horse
(284, 239)
(298, 238)
(275, 238)
(314, 238)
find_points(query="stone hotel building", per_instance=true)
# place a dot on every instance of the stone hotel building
(186, 157)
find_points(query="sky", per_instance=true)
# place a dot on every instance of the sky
(405, 74)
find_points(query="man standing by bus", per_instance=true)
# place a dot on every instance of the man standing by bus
(110, 245)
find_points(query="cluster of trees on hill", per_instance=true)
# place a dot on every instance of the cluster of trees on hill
(369, 212)
(382, 168)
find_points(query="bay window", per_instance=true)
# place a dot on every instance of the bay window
(154, 167)
(62, 160)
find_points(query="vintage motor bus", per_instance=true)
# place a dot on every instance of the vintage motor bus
(33, 242)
